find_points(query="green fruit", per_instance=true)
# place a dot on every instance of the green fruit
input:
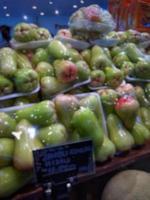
(25, 143)
(142, 70)
(23, 61)
(120, 59)
(7, 125)
(147, 91)
(133, 53)
(8, 64)
(97, 78)
(86, 55)
(65, 70)
(44, 69)
(122, 139)
(83, 70)
(42, 34)
(140, 133)
(40, 114)
(58, 50)
(12, 180)
(114, 77)
(6, 151)
(115, 51)
(144, 114)
(52, 135)
(91, 130)
(65, 106)
(107, 150)
(74, 55)
(140, 95)
(50, 86)
(74, 136)
(6, 86)
(40, 55)
(21, 101)
(107, 52)
(108, 98)
(26, 80)
(127, 67)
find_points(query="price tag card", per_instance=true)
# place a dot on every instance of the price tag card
(57, 163)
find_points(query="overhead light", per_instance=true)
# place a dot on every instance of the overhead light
(34, 7)
(50, 2)
(56, 12)
(82, 1)
(75, 6)
(5, 7)
(7, 15)
(42, 13)
(25, 17)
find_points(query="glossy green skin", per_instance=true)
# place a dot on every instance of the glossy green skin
(142, 70)
(40, 114)
(74, 136)
(133, 52)
(97, 78)
(7, 125)
(65, 106)
(107, 150)
(140, 95)
(23, 61)
(6, 151)
(83, 70)
(25, 142)
(74, 55)
(44, 69)
(144, 113)
(147, 91)
(52, 135)
(26, 80)
(41, 55)
(127, 67)
(119, 59)
(6, 86)
(58, 50)
(122, 139)
(12, 180)
(86, 54)
(86, 124)
(115, 51)
(140, 133)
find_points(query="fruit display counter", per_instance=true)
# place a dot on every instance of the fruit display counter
(53, 92)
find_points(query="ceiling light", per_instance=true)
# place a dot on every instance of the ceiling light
(25, 17)
(34, 7)
(7, 15)
(5, 7)
(42, 13)
(50, 2)
(82, 1)
(75, 6)
(56, 12)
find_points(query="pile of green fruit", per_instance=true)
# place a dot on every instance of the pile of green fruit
(24, 32)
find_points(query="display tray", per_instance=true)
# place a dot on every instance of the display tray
(36, 192)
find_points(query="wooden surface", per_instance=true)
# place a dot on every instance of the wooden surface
(32, 192)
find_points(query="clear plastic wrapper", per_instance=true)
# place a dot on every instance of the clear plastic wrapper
(132, 79)
(105, 42)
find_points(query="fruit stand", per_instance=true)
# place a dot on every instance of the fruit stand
(88, 82)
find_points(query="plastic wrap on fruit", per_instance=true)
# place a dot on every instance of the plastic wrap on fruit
(83, 70)
(6, 86)
(8, 64)
(127, 67)
(6, 151)
(7, 125)
(142, 70)
(44, 69)
(144, 114)
(50, 86)
(58, 50)
(97, 78)
(108, 98)
(106, 151)
(126, 108)
(122, 139)
(114, 76)
(74, 55)
(115, 51)
(119, 59)
(25, 142)
(65, 106)
(24, 32)
(23, 61)
(87, 125)
(39, 56)
(136, 37)
(64, 33)
(86, 55)
(40, 114)
(147, 91)
(52, 135)
(140, 95)
(14, 180)
(126, 89)
(65, 70)
(26, 80)
(42, 34)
